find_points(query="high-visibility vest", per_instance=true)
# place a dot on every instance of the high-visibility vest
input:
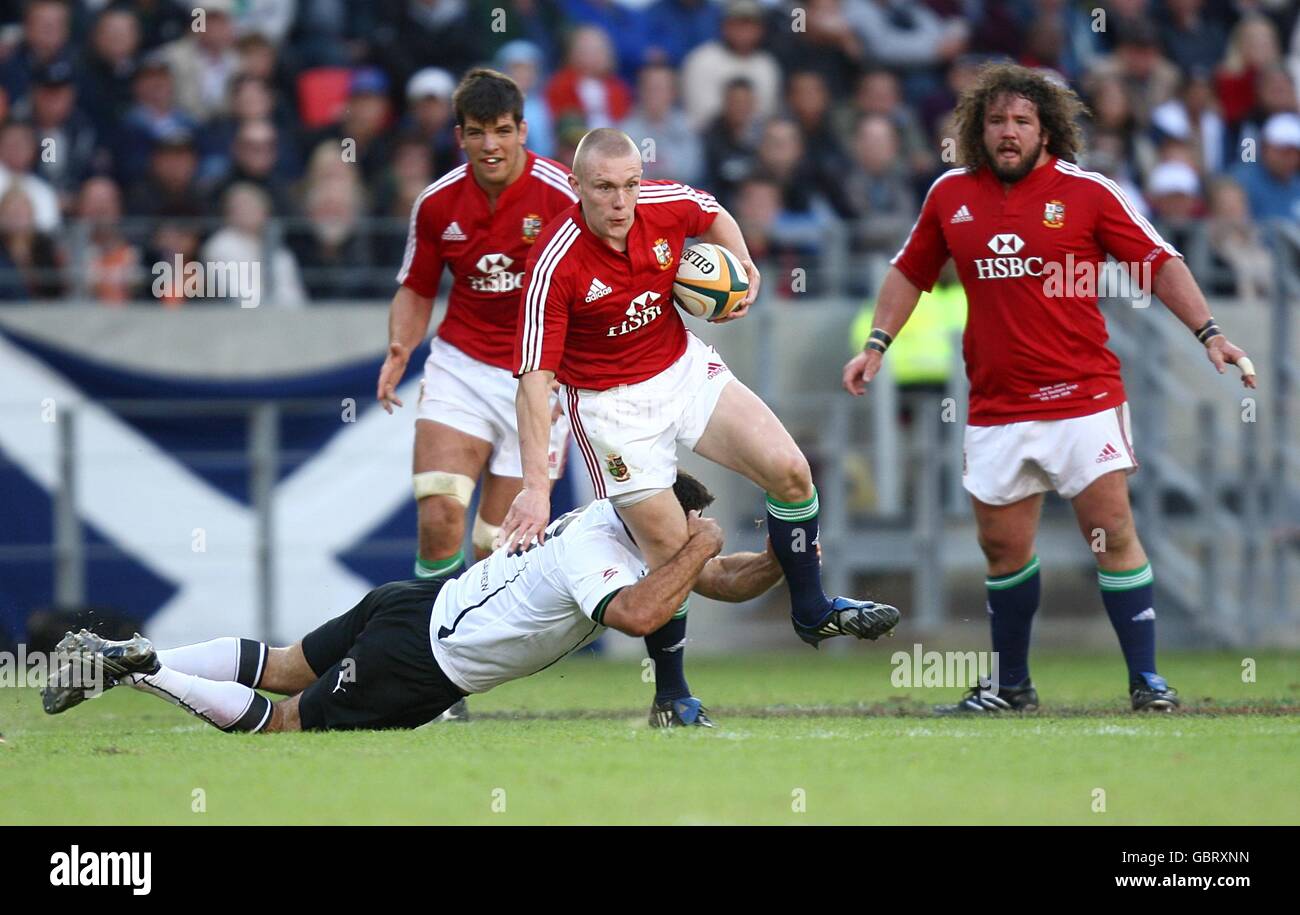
(922, 353)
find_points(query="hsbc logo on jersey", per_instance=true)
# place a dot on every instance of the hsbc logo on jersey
(494, 274)
(1006, 265)
(1006, 244)
(640, 312)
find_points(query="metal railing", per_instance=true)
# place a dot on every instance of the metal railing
(1217, 508)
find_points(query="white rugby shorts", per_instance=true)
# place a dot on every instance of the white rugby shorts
(1004, 464)
(479, 400)
(628, 435)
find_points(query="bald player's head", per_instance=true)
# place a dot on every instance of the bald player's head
(602, 143)
(607, 178)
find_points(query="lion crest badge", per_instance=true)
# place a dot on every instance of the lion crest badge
(617, 469)
(663, 253)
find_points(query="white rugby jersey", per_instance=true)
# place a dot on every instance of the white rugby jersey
(507, 617)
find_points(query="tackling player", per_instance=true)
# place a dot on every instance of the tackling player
(411, 649)
(1029, 231)
(597, 315)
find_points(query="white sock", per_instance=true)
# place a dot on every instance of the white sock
(226, 705)
(240, 660)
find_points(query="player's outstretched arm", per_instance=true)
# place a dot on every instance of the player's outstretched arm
(531, 509)
(408, 321)
(894, 305)
(739, 577)
(647, 605)
(1176, 287)
(725, 231)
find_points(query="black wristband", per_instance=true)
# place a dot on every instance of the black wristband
(879, 340)
(1207, 330)
(877, 346)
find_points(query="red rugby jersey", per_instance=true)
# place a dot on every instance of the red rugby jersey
(451, 223)
(599, 317)
(1035, 341)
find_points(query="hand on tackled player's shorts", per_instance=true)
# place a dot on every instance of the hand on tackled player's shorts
(527, 518)
(1222, 353)
(391, 375)
(755, 280)
(708, 529)
(859, 371)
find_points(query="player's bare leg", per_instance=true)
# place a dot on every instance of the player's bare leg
(493, 503)
(744, 435)
(287, 671)
(284, 717)
(1105, 519)
(1006, 533)
(658, 526)
(447, 464)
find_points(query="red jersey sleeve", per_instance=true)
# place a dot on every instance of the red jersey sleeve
(926, 250)
(544, 302)
(421, 269)
(1125, 234)
(680, 204)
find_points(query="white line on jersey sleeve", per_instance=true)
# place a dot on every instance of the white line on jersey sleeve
(1069, 168)
(445, 181)
(538, 290)
(907, 241)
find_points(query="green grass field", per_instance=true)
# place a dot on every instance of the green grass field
(802, 739)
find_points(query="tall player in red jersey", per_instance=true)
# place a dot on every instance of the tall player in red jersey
(597, 315)
(1029, 231)
(480, 219)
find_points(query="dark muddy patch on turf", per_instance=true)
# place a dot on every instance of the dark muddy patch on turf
(894, 711)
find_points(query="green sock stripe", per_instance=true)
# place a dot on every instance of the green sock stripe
(794, 511)
(1126, 581)
(436, 568)
(1002, 582)
(683, 609)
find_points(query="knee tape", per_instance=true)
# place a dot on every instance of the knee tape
(440, 483)
(485, 535)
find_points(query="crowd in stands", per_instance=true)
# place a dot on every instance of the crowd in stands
(298, 133)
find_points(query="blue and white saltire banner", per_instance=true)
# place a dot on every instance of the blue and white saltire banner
(183, 524)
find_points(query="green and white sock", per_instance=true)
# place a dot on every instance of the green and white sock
(440, 568)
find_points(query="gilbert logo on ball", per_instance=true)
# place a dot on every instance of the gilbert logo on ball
(710, 281)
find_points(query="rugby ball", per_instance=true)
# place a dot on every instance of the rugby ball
(710, 281)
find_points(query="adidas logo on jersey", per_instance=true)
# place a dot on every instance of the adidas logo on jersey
(453, 232)
(962, 215)
(598, 290)
(1109, 453)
